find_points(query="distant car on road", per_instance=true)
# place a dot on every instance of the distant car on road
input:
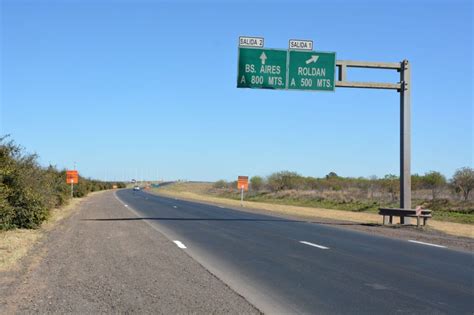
(136, 188)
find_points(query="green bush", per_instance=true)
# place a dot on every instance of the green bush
(121, 185)
(256, 183)
(285, 180)
(28, 191)
(435, 181)
(220, 184)
(463, 181)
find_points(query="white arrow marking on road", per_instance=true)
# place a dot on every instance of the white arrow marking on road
(314, 245)
(179, 244)
(263, 58)
(313, 58)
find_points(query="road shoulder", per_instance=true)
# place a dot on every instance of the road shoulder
(94, 262)
(16, 244)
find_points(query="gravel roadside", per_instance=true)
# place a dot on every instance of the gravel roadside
(112, 267)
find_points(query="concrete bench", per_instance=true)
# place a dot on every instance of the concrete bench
(402, 213)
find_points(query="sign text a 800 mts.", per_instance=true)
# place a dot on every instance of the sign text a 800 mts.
(311, 70)
(262, 68)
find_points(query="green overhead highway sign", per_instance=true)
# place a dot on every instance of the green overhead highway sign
(301, 68)
(311, 70)
(262, 68)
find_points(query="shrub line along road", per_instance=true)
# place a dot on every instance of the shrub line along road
(282, 265)
(128, 251)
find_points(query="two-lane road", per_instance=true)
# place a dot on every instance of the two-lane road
(299, 267)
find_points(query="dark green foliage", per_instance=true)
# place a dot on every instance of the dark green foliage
(28, 191)
(121, 185)
(391, 184)
(463, 181)
(434, 181)
(285, 180)
(220, 184)
(256, 183)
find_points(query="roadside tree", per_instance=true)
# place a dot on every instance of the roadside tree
(391, 184)
(435, 181)
(220, 184)
(284, 180)
(463, 181)
(256, 183)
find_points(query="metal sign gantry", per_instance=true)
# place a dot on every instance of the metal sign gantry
(404, 88)
(257, 69)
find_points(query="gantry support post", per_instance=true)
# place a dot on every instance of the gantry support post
(405, 136)
(404, 88)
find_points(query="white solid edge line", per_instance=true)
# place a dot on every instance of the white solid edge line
(179, 244)
(429, 244)
(314, 245)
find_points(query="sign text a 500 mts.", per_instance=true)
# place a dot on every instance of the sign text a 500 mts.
(311, 70)
(262, 68)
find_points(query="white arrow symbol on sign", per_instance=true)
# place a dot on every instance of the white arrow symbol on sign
(313, 58)
(263, 57)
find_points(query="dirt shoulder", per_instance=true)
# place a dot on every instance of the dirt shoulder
(453, 235)
(15, 244)
(102, 259)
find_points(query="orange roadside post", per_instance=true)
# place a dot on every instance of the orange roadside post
(72, 177)
(242, 184)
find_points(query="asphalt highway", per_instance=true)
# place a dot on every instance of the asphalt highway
(290, 266)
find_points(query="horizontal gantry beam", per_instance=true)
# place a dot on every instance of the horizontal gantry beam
(366, 64)
(342, 66)
(368, 85)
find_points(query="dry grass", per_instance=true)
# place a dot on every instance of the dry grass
(16, 244)
(457, 229)
(197, 192)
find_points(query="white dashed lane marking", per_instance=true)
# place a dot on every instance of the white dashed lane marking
(314, 245)
(179, 244)
(429, 244)
(175, 207)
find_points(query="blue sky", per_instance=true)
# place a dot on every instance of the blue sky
(148, 89)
